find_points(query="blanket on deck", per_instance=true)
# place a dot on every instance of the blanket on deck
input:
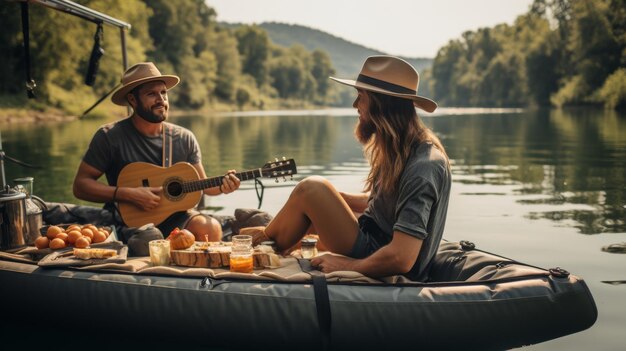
(289, 271)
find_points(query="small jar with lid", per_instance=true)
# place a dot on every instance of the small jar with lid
(308, 248)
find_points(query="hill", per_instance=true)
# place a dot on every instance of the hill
(347, 57)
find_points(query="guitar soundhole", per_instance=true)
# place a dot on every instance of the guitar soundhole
(173, 189)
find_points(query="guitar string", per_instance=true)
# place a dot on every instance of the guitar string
(196, 185)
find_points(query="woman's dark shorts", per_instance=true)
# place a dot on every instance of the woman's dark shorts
(369, 239)
(177, 220)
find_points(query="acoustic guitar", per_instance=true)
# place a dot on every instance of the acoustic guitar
(182, 187)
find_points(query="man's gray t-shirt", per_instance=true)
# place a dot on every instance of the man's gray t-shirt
(117, 144)
(418, 207)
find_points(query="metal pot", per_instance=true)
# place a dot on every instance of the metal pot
(13, 231)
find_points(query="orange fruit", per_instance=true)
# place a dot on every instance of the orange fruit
(73, 236)
(106, 235)
(87, 232)
(52, 231)
(99, 237)
(82, 242)
(42, 242)
(62, 236)
(57, 243)
(106, 232)
(72, 227)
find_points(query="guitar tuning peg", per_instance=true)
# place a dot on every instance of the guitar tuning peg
(284, 158)
(276, 180)
(276, 159)
(284, 179)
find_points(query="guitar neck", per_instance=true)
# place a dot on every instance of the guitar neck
(197, 185)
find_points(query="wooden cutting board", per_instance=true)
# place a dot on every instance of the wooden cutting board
(217, 257)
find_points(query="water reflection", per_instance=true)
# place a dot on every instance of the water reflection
(571, 161)
(568, 167)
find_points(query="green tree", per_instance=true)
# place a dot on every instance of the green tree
(178, 31)
(593, 42)
(613, 92)
(253, 45)
(11, 63)
(560, 52)
(290, 77)
(444, 71)
(224, 46)
(321, 70)
(60, 47)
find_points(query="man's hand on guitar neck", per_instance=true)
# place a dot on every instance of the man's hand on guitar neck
(230, 182)
(146, 198)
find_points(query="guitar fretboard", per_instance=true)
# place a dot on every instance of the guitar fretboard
(197, 185)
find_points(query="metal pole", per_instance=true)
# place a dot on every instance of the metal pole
(124, 57)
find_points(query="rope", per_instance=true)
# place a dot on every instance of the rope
(259, 195)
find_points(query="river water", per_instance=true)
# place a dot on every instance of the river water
(545, 187)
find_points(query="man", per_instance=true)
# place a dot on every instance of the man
(140, 138)
(409, 180)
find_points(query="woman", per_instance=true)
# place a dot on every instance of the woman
(409, 185)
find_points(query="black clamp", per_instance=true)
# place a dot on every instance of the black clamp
(206, 283)
(558, 272)
(467, 245)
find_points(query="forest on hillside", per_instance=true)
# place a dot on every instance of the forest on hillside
(559, 53)
(238, 67)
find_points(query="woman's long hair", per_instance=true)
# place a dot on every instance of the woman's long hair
(396, 129)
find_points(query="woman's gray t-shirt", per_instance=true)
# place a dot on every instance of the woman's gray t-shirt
(418, 207)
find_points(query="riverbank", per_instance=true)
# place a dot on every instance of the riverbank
(37, 114)
(15, 115)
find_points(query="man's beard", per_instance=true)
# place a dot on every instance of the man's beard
(364, 131)
(150, 116)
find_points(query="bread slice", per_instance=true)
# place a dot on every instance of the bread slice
(87, 254)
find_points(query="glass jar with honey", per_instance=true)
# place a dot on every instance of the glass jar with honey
(241, 254)
(308, 248)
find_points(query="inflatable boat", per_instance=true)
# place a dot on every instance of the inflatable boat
(473, 300)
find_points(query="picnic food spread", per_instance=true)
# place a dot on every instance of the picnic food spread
(87, 244)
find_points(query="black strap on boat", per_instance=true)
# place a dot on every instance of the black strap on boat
(322, 301)
(30, 83)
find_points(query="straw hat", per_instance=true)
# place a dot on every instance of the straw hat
(390, 76)
(138, 74)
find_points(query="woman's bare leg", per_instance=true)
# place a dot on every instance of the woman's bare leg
(315, 201)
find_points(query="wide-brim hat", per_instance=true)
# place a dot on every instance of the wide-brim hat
(138, 74)
(393, 76)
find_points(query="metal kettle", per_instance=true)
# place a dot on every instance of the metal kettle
(13, 230)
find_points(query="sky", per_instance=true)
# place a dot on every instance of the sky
(412, 28)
